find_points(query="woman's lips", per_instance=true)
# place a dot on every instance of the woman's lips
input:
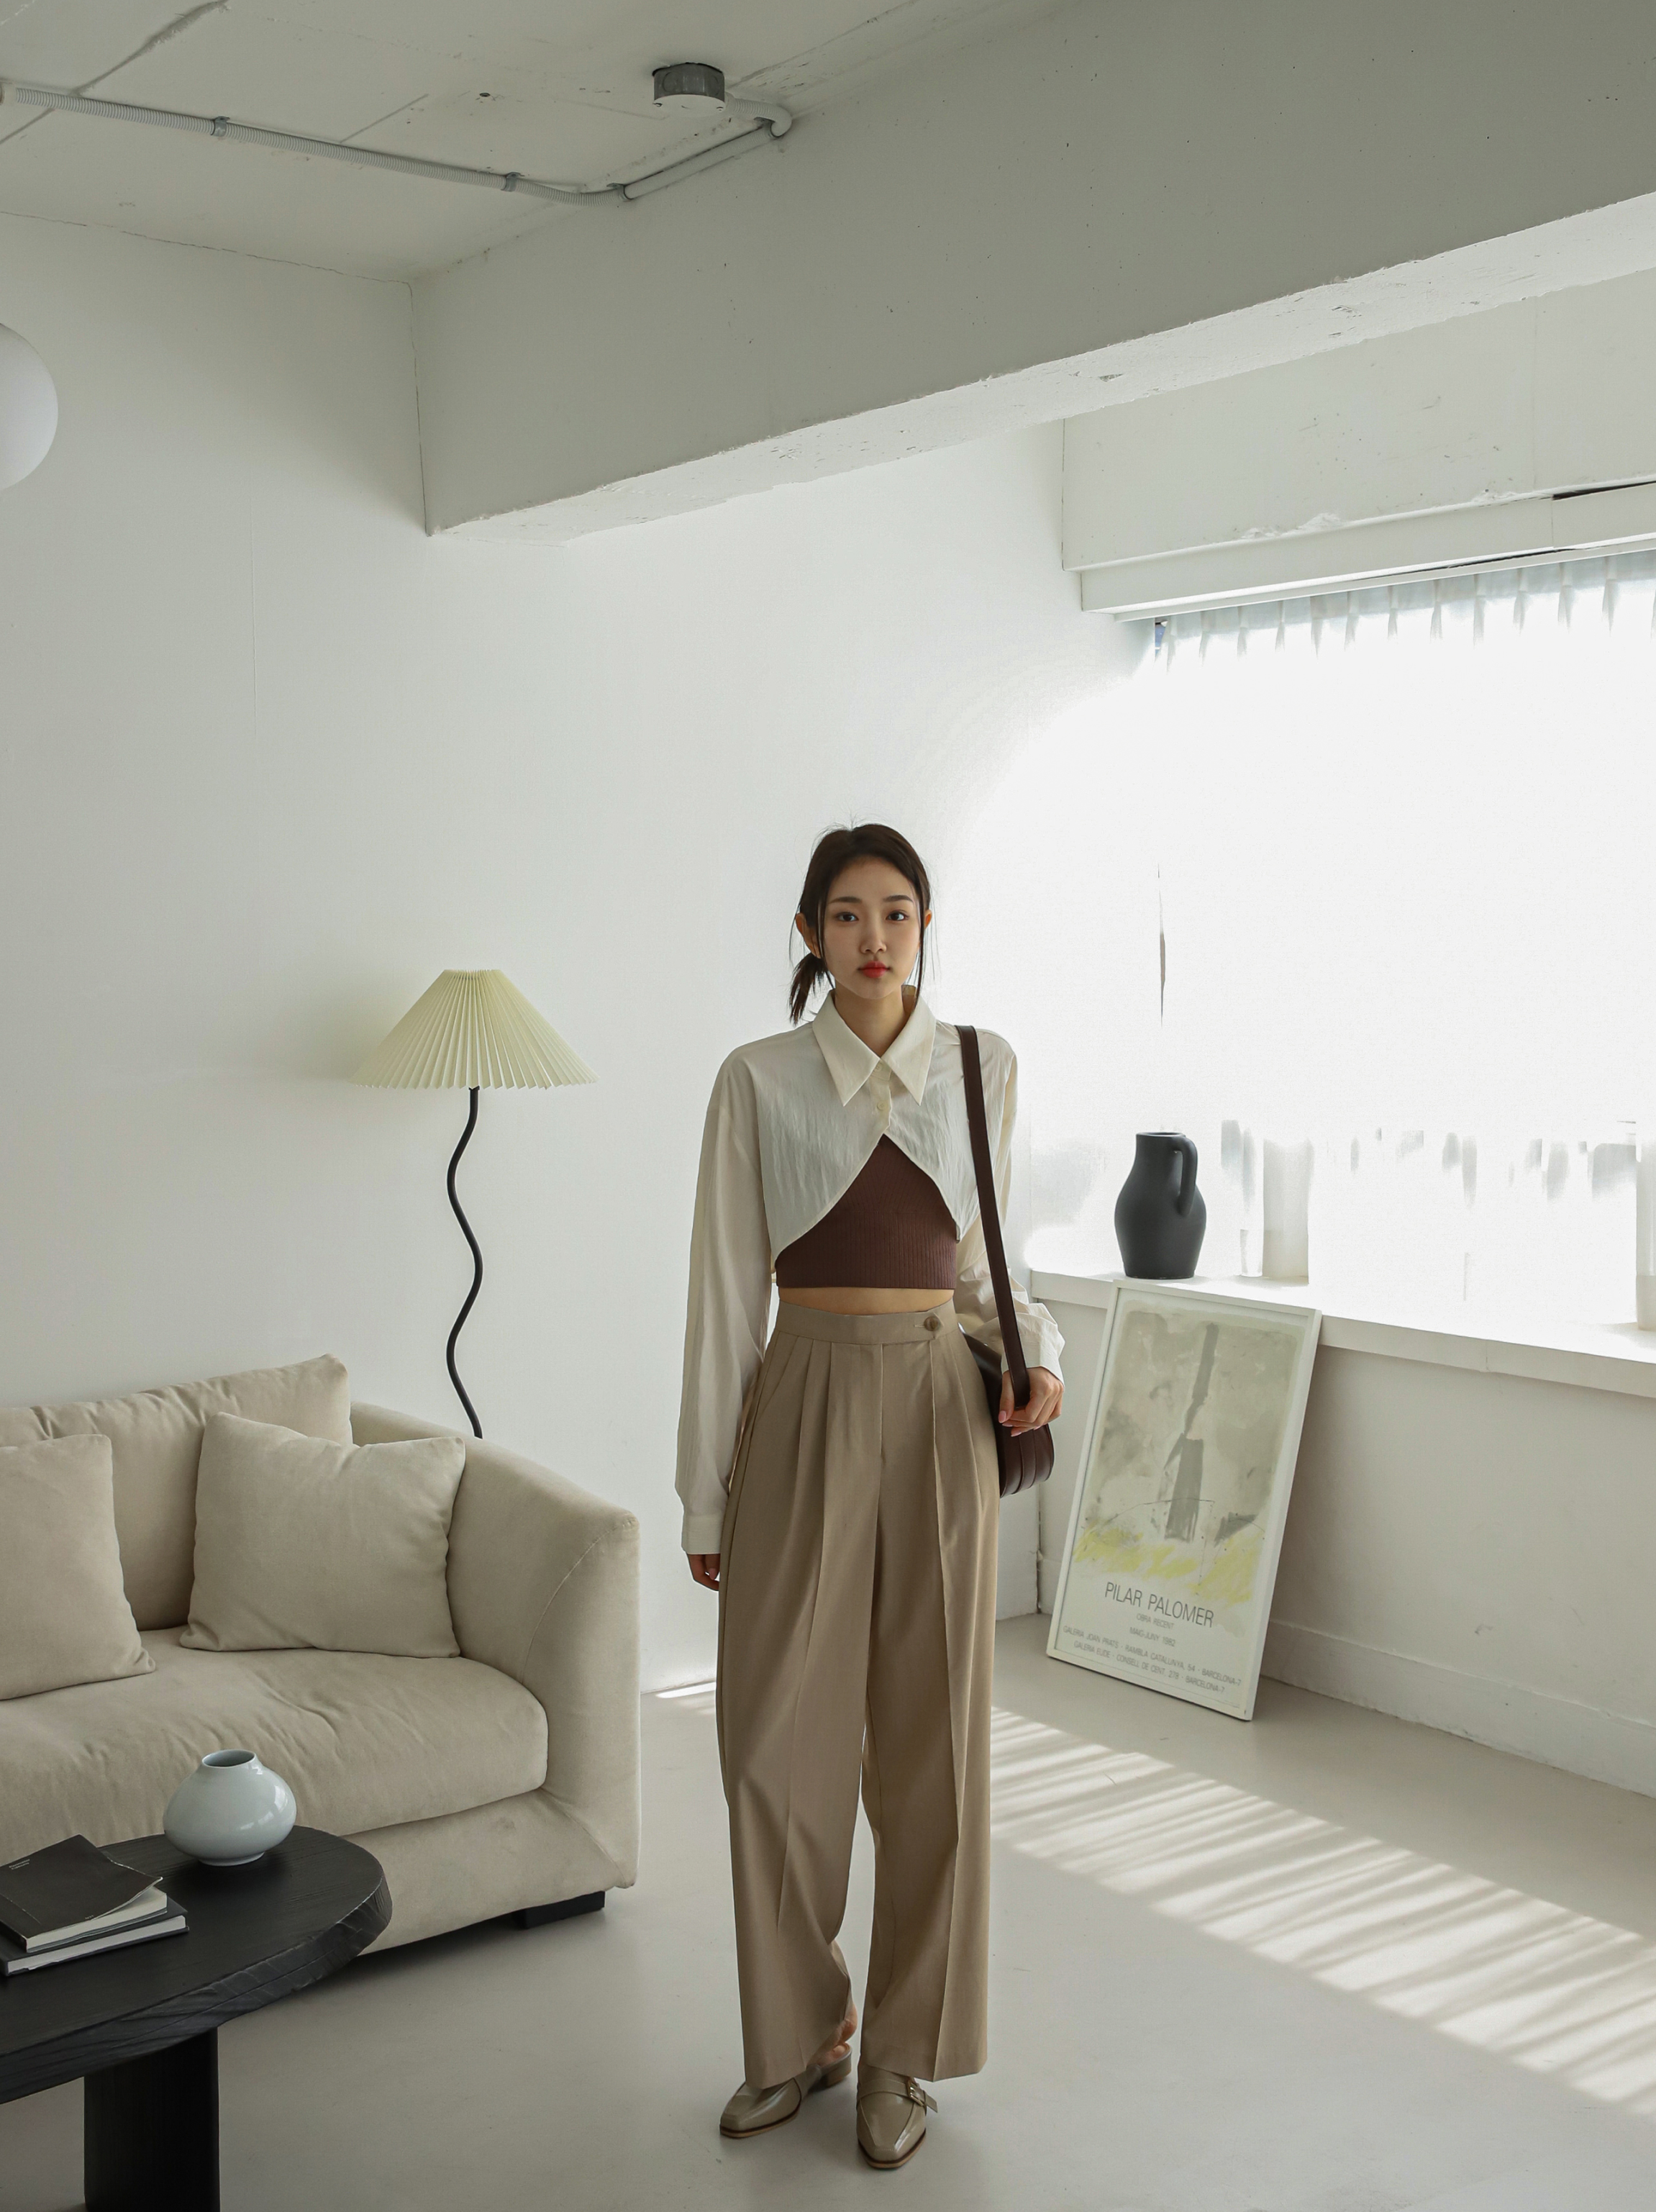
(874, 968)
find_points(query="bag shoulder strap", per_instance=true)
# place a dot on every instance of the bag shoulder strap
(977, 1122)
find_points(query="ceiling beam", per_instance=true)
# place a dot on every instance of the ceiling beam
(1105, 200)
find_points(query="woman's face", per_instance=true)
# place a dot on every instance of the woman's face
(871, 931)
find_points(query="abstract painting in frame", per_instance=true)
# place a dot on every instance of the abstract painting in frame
(1186, 1462)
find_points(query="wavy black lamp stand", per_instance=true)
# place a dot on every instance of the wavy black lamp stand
(473, 1030)
(477, 1268)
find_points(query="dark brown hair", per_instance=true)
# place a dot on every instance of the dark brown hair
(838, 850)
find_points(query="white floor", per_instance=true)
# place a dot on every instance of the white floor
(1323, 1963)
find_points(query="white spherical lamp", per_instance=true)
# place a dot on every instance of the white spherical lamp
(28, 409)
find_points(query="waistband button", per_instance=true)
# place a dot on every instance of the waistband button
(933, 1323)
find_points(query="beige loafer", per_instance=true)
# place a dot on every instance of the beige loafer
(891, 2110)
(750, 2112)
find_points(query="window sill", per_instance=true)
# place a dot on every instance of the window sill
(1592, 1356)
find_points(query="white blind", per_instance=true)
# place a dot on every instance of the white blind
(1615, 590)
(1399, 845)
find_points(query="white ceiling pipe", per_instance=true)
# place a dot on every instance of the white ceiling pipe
(709, 157)
(330, 150)
(28, 409)
(770, 122)
(761, 111)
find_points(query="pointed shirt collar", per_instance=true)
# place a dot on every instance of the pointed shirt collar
(850, 1062)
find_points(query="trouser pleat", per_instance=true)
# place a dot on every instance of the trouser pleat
(967, 1547)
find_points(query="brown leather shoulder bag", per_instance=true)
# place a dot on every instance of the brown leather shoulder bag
(1025, 1456)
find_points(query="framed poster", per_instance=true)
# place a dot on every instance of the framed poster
(1186, 1462)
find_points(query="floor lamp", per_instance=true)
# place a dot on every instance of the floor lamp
(472, 1030)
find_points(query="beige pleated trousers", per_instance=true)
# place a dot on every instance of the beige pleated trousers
(856, 1634)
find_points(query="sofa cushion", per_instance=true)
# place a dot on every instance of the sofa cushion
(365, 1741)
(63, 1615)
(156, 1436)
(342, 1547)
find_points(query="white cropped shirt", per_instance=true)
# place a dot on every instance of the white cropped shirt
(792, 1122)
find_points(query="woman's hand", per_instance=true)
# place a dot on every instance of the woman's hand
(1045, 1400)
(704, 1568)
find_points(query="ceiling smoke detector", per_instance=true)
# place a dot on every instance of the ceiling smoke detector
(689, 88)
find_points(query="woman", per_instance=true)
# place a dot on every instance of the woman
(853, 1547)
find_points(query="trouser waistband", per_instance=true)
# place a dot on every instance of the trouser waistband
(863, 1328)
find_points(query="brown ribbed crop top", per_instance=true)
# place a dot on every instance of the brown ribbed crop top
(890, 1231)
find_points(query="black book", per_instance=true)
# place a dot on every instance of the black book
(15, 1960)
(50, 1894)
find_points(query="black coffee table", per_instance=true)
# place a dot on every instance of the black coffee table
(141, 2024)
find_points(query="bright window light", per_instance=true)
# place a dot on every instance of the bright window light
(1396, 849)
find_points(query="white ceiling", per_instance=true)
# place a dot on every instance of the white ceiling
(558, 89)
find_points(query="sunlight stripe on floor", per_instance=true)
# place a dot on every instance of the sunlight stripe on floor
(1553, 1991)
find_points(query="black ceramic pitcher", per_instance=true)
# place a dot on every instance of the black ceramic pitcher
(1160, 1217)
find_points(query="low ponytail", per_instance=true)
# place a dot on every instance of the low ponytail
(836, 852)
(808, 973)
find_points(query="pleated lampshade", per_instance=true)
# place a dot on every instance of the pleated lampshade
(474, 1029)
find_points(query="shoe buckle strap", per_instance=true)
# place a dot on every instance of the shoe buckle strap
(917, 2095)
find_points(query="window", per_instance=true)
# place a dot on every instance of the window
(1398, 848)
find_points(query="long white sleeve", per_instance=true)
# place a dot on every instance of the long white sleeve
(728, 1303)
(974, 1291)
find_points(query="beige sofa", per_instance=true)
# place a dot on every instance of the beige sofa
(504, 1780)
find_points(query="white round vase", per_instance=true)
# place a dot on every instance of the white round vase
(230, 1811)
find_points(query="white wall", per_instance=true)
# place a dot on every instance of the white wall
(906, 261)
(1463, 1548)
(271, 758)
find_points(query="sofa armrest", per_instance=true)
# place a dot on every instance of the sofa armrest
(543, 1584)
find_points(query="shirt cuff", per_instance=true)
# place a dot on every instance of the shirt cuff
(704, 1532)
(1042, 1341)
